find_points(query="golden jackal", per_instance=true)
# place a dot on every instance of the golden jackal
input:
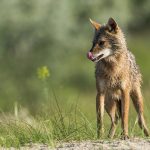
(117, 78)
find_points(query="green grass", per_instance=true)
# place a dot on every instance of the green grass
(19, 128)
(59, 126)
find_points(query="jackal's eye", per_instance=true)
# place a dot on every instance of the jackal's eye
(101, 43)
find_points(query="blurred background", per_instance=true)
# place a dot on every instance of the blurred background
(56, 35)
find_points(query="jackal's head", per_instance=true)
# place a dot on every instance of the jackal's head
(107, 42)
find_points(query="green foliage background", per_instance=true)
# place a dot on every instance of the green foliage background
(57, 34)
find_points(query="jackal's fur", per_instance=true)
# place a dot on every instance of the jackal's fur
(117, 78)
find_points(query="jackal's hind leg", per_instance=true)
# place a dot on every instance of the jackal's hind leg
(138, 104)
(114, 122)
(112, 109)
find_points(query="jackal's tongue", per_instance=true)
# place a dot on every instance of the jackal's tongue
(90, 55)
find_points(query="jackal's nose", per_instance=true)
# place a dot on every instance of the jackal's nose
(90, 55)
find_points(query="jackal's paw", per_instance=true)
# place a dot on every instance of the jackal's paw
(146, 132)
(124, 137)
(100, 133)
(110, 136)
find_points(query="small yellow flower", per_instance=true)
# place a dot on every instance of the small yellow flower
(43, 73)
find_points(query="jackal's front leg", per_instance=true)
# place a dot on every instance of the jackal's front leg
(125, 112)
(100, 113)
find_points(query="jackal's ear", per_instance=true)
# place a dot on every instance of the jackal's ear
(112, 25)
(95, 24)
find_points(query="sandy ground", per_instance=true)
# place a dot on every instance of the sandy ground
(134, 144)
(131, 144)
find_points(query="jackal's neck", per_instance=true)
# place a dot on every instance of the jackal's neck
(113, 64)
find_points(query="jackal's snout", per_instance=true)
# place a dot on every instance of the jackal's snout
(90, 55)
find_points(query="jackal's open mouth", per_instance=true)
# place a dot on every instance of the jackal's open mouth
(97, 58)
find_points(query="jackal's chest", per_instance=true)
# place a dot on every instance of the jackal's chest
(110, 77)
(109, 83)
(112, 87)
